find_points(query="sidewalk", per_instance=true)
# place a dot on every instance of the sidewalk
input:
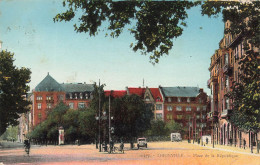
(6, 144)
(234, 149)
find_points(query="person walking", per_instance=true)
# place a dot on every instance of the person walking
(244, 143)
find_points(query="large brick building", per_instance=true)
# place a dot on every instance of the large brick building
(187, 106)
(224, 72)
(48, 93)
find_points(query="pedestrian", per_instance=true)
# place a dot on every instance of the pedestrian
(244, 143)
(27, 146)
(207, 140)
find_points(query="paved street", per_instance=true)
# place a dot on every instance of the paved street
(156, 153)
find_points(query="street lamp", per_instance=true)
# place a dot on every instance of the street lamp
(1, 42)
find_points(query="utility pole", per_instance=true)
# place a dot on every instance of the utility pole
(99, 116)
(109, 121)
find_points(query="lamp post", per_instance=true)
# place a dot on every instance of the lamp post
(1, 42)
(99, 116)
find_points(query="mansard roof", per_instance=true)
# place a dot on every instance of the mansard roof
(180, 91)
(48, 84)
(79, 87)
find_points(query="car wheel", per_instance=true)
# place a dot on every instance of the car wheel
(138, 146)
(146, 146)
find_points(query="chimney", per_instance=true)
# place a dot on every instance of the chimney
(201, 90)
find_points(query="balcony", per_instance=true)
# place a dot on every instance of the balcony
(225, 113)
(227, 69)
(212, 79)
(213, 114)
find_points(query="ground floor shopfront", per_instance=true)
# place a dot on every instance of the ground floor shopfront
(227, 134)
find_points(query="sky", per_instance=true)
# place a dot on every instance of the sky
(27, 29)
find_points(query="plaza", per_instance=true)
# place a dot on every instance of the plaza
(157, 153)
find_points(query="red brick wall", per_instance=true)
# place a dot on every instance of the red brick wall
(43, 111)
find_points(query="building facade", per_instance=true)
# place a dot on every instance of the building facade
(224, 72)
(187, 106)
(48, 93)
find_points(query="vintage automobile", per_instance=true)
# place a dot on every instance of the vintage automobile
(176, 137)
(141, 142)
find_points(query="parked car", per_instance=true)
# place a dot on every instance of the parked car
(176, 137)
(141, 142)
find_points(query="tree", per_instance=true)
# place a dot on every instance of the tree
(173, 126)
(13, 89)
(10, 133)
(153, 24)
(156, 24)
(132, 116)
(158, 128)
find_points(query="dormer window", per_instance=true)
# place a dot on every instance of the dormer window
(158, 99)
(169, 99)
(179, 99)
(80, 95)
(76, 97)
(70, 95)
(147, 98)
(86, 95)
(188, 100)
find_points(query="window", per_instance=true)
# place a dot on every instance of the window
(158, 99)
(81, 96)
(203, 116)
(48, 97)
(226, 59)
(226, 103)
(179, 117)
(190, 124)
(198, 108)
(178, 108)
(158, 106)
(200, 100)
(188, 100)
(86, 95)
(60, 97)
(169, 117)
(198, 124)
(204, 108)
(39, 106)
(197, 116)
(188, 117)
(48, 106)
(39, 98)
(71, 105)
(169, 99)
(147, 98)
(39, 115)
(158, 116)
(70, 95)
(76, 96)
(181, 124)
(188, 108)
(227, 83)
(81, 105)
(169, 108)
(179, 99)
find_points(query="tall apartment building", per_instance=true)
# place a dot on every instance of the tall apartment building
(224, 72)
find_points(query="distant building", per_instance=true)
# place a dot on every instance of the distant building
(187, 106)
(154, 96)
(48, 93)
